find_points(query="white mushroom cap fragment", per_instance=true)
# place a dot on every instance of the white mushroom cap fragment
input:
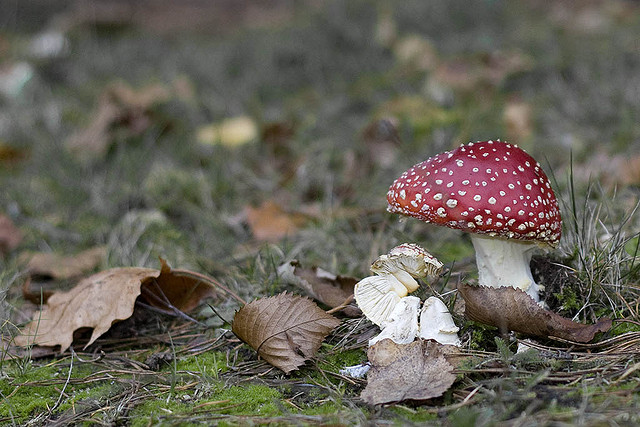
(402, 326)
(407, 262)
(437, 324)
(377, 296)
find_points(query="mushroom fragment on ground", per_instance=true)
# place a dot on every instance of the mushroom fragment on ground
(407, 262)
(402, 325)
(356, 371)
(437, 324)
(377, 296)
(395, 277)
(383, 298)
(495, 191)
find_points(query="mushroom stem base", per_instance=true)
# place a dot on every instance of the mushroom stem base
(505, 263)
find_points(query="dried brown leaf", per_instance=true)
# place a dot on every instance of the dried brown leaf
(285, 329)
(107, 297)
(60, 267)
(181, 289)
(10, 235)
(512, 309)
(399, 372)
(10, 155)
(321, 285)
(269, 222)
(470, 72)
(96, 302)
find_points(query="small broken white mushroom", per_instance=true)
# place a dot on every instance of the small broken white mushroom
(383, 298)
(407, 262)
(396, 273)
(402, 326)
(437, 324)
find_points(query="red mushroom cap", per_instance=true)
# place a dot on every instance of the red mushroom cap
(488, 187)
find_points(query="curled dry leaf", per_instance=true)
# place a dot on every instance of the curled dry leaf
(321, 285)
(415, 371)
(110, 296)
(285, 329)
(96, 302)
(512, 309)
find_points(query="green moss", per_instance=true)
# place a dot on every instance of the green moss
(620, 328)
(335, 361)
(482, 336)
(152, 411)
(31, 389)
(210, 363)
(407, 416)
(250, 400)
(246, 400)
(569, 299)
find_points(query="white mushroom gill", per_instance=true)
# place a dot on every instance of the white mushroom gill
(377, 296)
(505, 263)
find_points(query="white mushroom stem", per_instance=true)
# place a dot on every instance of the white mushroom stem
(505, 263)
(405, 278)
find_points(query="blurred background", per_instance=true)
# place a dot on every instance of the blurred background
(229, 136)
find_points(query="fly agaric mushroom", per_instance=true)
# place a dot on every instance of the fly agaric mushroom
(495, 191)
(396, 272)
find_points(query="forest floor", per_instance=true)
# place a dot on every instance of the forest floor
(230, 138)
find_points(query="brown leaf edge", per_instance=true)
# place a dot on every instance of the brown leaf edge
(512, 309)
(181, 289)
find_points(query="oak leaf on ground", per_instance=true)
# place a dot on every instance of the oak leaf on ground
(102, 299)
(417, 371)
(511, 309)
(284, 329)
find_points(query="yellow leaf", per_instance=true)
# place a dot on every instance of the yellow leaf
(231, 132)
